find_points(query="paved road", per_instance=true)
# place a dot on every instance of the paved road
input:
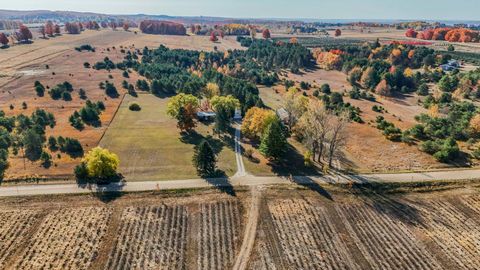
(46, 189)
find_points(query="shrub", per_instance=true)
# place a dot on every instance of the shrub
(134, 107)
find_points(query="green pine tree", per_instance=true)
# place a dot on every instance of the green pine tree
(222, 120)
(204, 159)
(273, 142)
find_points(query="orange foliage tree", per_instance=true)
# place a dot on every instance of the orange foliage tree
(256, 120)
(411, 33)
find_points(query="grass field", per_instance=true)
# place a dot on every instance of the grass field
(150, 146)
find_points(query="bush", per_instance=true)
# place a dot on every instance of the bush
(134, 107)
(46, 159)
(39, 89)
(81, 172)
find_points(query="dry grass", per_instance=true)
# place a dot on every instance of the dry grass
(24, 64)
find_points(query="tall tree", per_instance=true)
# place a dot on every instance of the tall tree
(228, 103)
(42, 31)
(273, 142)
(336, 137)
(33, 144)
(101, 163)
(25, 33)
(113, 25)
(338, 32)
(222, 120)
(49, 29)
(126, 26)
(314, 127)
(3, 39)
(204, 159)
(213, 37)
(266, 34)
(57, 29)
(183, 107)
(186, 118)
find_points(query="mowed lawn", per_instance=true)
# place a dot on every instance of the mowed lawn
(150, 146)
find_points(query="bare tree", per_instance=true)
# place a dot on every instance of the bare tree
(296, 106)
(336, 136)
(314, 126)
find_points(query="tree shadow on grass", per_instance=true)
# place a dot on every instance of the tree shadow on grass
(195, 138)
(292, 163)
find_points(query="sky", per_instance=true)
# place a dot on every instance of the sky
(305, 9)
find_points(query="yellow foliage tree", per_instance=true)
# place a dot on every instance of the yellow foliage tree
(228, 103)
(255, 121)
(475, 124)
(408, 72)
(181, 101)
(101, 163)
(434, 111)
(211, 90)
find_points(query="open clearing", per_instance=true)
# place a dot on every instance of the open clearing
(297, 228)
(22, 65)
(150, 146)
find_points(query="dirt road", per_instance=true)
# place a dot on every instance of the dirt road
(250, 231)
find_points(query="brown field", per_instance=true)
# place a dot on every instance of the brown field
(297, 229)
(21, 65)
(366, 149)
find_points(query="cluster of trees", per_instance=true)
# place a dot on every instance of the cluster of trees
(236, 29)
(25, 135)
(60, 91)
(105, 64)
(70, 146)
(322, 130)
(441, 133)
(162, 28)
(110, 89)
(264, 125)
(24, 34)
(49, 29)
(383, 69)
(170, 72)
(447, 34)
(74, 28)
(89, 115)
